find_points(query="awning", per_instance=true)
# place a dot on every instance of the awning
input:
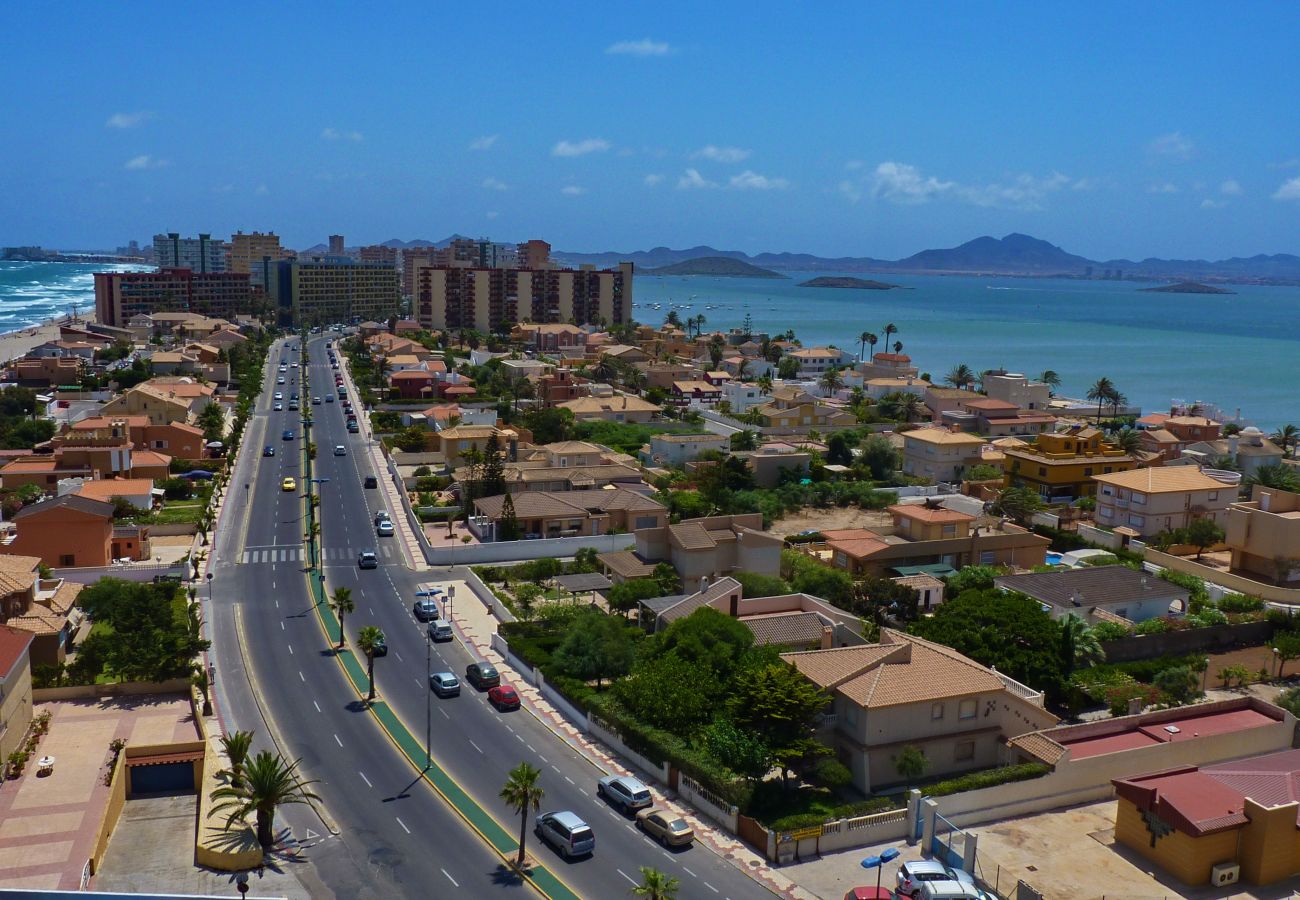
(163, 759)
(938, 570)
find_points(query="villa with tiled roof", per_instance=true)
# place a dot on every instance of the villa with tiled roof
(905, 691)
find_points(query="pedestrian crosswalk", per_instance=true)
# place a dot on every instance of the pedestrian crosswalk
(299, 554)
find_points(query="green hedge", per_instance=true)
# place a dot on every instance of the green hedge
(989, 778)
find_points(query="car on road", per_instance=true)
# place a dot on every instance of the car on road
(566, 833)
(384, 528)
(503, 697)
(913, 874)
(353, 428)
(329, 398)
(482, 675)
(280, 380)
(626, 793)
(366, 559)
(445, 684)
(665, 826)
(425, 610)
(294, 365)
(288, 434)
(278, 395)
(340, 450)
(440, 630)
(293, 404)
(268, 450)
(371, 481)
(288, 484)
(279, 407)
(315, 401)
(381, 646)
(869, 893)
(381, 516)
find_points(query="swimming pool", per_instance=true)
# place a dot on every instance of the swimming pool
(1053, 559)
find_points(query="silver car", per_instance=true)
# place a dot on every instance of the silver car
(625, 792)
(445, 684)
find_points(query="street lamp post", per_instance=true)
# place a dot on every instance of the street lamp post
(209, 590)
(878, 863)
(428, 699)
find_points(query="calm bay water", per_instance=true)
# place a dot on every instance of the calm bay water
(31, 292)
(1238, 351)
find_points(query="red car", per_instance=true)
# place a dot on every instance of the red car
(504, 697)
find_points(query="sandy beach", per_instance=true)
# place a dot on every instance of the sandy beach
(15, 344)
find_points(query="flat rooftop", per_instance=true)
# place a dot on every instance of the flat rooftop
(1188, 727)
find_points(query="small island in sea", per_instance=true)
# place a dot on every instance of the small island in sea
(863, 284)
(716, 266)
(1188, 287)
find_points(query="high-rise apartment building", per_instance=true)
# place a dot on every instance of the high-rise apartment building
(534, 254)
(200, 254)
(336, 245)
(121, 295)
(318, 291)
(414, 259)
(256, 254)
(378, 253)
(485, 299)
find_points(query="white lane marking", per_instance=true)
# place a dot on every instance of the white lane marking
(317, 705)
(444, 713)
(690, 873)
(556, 768)
(584, 792)
(290, 646)
(712, 888)
(543, 758)
(277, 603)
(398, 655)
(365, 779)
(567, 778)
(521, 739)
(282, 626)
(337, 741)
(512, 731)
(449, 878)
(628, 877)
(476, 746)
(303, 680)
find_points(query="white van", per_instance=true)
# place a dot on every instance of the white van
(949, 890)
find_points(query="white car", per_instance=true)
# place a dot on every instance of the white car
(911, 875)
(279, 395)
(384, 528)
(624, 792)
(340, 450)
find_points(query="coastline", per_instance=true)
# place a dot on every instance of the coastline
(17, 343)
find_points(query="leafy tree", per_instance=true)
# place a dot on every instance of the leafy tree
(508, 524)
(1128, 439)
(1102, 391)
(1287, 437)
(370, 639)
(667, 578)
(753, 584)
(1002, 629)
(831, 773)
(911, 763)
(745, 752)
(1202, 533)
(585, 560)
(1290, 701)
(343, 605)
(744, 440)
(549, 425)
(960, 376)
(656, 885)
(1287, 645)
(271, 782)
(881, 599)
(831, 380)
(707, 637)
(780, 704)
(236, 746)
(788, 368)
(493, 480)
(1051, 379)
(153, 636)
(1179, 683)
(808, 576)
(625, 595)
(1080, 647)
(879, 456)
(212, 419)
(838, 451)
(1018, 503)
(670, 692)
(984, 472)
(595, 646)
(411, 439)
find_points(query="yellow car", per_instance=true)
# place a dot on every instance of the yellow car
(288, 485)
(665, 826)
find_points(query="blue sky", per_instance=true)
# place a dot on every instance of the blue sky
(835, 128)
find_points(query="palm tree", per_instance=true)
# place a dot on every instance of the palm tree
(200, 681)
(764, 384)
(891, 328)
(871, 340)
(1051, 379)
(1287, 437)
(370, 639)
(522, 793)
(655, 885)
(237, 744)
(1276, 475)
(673, 319)
(961, 376)
(1079, 645)
(1101, 391)
(742, 368)
(862, 344)
(831, 381)
(716, 345)
(1116, 401)
(343, 605)
(604, 370)
(1128, 439)
(272, 782)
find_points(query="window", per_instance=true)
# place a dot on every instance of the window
(987, 557)
(1214, 495)
(1042, 471)
(964, 751)
(950, 531)
(67, 560)
(1137, 521)
(936, 711)
(1139, 498)
(967, 709)
(1087, 472)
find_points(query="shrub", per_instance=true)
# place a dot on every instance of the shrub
(1152, 626)
(1239, 603)
(988, 778)
(1208, 617)
(1193, 585)
(1110, 631)
(421, 471)
(1119, 697)
(1290, 700)
(831, 773)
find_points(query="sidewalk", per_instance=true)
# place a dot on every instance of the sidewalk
(477, 625)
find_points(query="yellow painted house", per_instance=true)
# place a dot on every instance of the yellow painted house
(1061, 465)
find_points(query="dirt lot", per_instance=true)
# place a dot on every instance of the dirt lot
(830, 519)
(1072, 855)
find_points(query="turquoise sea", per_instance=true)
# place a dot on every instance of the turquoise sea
(32, 292)
(1240, 351)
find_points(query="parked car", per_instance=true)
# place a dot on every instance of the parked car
(445, 684)
(949, 890)
(914, 873)
(482, 675)
(665, 826)
(268, 450)
(288, 485)
(440, 630)
(366, 559)
(425, 610)
(869, 893)
(503, 697)
(565, 833)
(624, 792)
(384, 529)
(371, 481)
(340, 450)
(352, 426)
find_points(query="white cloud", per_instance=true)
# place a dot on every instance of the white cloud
(1210, 203)
(483, 143)
(854, 164)
(127, 120)
(145, 161)
(906, 184)
(643, 47)
(1162, 187)
(721, 154)
(1290, 190)
(333, 134)
(693, 179)
(1175, 145)
(1230, 188)
(572, 190)
(580, 148)
(749, 180)
(1291, 163)
(903, 183)
(652, 180)
(493, 184)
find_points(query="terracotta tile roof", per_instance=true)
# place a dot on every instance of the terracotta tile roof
(787, 629)
(858, 548)
(13, 644)
(38, 621)
(17, 573)
(1039, 746)
(1164, 480)
(65, 597)
(92, 423)
(149, 458)
(942, 436)
(923, 513)
(67, 501)
(626, 564)
(1162, 436)
(571, 447)
(707, 597)
(106, 488)
(988, 403)
(691, 536)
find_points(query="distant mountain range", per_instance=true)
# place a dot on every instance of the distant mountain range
(718, 266)
(1015, 254)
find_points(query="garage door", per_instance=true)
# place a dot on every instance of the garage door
(166, 777)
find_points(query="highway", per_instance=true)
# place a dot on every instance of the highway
(416, 842)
